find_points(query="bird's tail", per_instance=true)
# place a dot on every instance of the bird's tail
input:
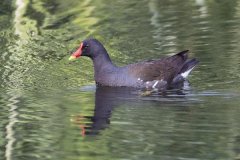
(188, 66)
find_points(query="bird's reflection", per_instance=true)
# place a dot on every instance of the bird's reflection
(106, 98)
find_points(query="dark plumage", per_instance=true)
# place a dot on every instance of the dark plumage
(161, 74)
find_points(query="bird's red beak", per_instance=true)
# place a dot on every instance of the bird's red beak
(76, 54)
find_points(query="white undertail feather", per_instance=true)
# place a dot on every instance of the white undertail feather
(186, 73)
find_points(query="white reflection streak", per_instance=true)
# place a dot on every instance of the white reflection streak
(9, 128)
(159, 28)
(13, 100)
(18, 13)
(203, 8)
(154, 18)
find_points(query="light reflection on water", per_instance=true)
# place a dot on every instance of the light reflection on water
(49, 105)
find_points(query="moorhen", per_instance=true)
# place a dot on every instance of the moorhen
(158, 74)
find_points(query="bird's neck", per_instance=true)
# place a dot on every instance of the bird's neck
(102, 63)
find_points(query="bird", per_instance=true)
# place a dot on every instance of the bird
(160, 74)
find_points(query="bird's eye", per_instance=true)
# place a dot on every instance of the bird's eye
(85, 47)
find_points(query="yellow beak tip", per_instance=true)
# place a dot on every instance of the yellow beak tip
(71, 58)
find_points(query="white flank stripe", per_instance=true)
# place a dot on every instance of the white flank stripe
(155, 84)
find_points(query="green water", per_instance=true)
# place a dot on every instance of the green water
(50, 109)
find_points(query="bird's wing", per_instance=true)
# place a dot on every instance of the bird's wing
(161, 69)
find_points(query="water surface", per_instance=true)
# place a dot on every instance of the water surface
(51, 109)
